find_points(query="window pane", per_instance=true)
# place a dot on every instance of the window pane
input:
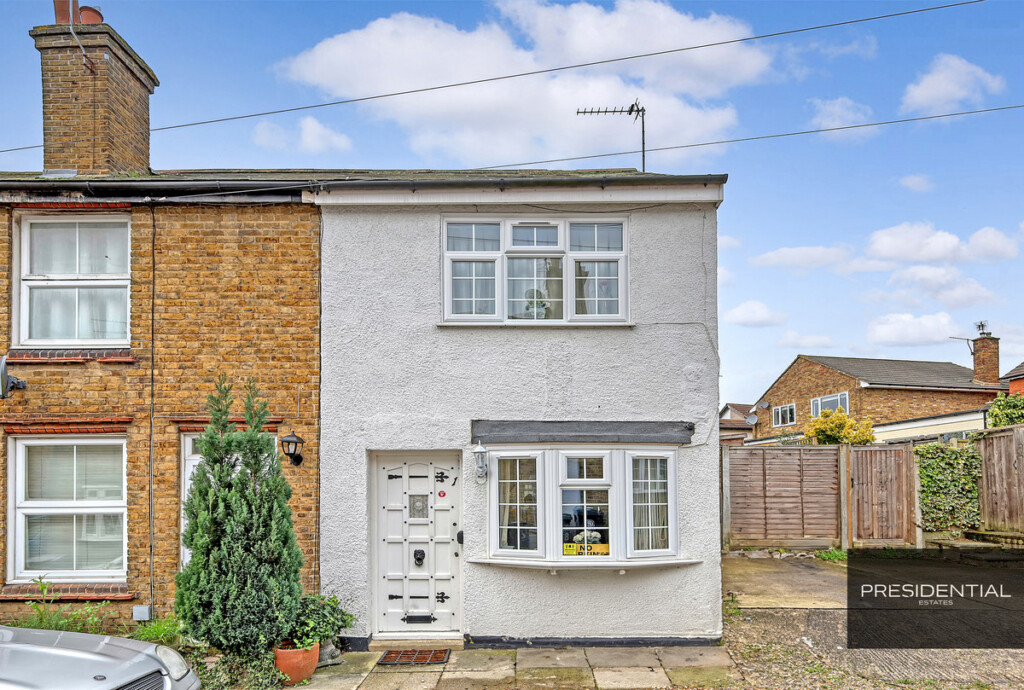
(460, 237)
(585, 468)
(99, 542)
(534, 236)
(103, 248)
(487, 237)
(473, 287)
(609, 237)
(597, 287)
(52, 248)
(51, 313)
(99, 474)
(49, 542)
(582, 238)
(535, 288)
(462, 288)
(585, 523)
(49, 473)
(650, 503)
(601, 237)
(102, 313)
(517, 504)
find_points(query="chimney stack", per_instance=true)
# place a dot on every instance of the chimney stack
(95, 95)
(986, 356)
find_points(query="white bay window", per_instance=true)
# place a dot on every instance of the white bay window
(74, 281)
(534, 272)
(558, 506)
(69, 511)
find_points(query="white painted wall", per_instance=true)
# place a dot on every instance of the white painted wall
(394, 379)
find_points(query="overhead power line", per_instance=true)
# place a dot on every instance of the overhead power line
(757, 138)
(518, 75)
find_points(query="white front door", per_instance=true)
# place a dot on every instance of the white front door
(418, 523)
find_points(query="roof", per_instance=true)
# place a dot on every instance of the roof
(734, 424)
(1016, 373)
(904, 373)
(742, 409)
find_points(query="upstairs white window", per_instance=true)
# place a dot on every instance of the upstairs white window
(75, 282)
(784, 415)
(830, 402)
(534, 272)
(567, 506)
(69, 512)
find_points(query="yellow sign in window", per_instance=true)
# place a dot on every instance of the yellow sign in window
(585, 550)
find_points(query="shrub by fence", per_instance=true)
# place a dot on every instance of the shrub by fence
(949, 486)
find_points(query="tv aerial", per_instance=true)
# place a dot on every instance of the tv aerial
(8, 383)
(638, 112)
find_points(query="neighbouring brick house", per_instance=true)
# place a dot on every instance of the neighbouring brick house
(733, 427)
(124, 304)
(1015, 379)
(876, 390)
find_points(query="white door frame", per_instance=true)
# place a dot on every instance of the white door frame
(374, 460)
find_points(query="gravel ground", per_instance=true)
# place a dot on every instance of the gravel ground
(791, 648)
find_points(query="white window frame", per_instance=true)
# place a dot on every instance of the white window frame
(551, 479)
(189, 462)
(840, 398)
(777, 418)
(23, 280)
(562, 251)
(19, 507)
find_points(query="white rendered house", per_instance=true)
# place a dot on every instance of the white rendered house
(562, 325)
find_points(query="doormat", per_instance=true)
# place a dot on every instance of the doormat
(414, 657)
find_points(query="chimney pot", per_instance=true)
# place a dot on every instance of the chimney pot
(91, 15)
(66, 11)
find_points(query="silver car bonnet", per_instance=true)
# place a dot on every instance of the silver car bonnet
(48, 660)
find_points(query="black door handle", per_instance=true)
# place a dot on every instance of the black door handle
(418, 555)
(458, 537)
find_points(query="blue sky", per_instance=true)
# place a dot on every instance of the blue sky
(878, 243)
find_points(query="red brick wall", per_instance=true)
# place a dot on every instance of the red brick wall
(237, 292)
(1017, 386)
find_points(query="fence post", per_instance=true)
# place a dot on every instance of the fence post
(726, 503)
(919, 531)
(845, 526)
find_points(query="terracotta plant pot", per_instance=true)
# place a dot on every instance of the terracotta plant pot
(297, 664)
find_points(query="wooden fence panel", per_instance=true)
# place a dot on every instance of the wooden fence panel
(1001, 489)
(884, 494)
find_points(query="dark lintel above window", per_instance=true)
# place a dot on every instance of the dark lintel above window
(489, 431)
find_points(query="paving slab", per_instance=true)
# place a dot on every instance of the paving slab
(336, 681)
(477, 680)
(799, 583)
(630, 678)
(407, 668)
(700, 657)
(353, 662)
(704, 676)
(554, 678)
(564, 657)
(483, 660)
(401, 681)
(620, 657)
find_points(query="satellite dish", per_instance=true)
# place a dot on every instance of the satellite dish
(8, 383)
(763, 405)
(752, 419)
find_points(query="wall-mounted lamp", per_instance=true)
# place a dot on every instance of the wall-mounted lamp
(291, 445)
(480, 453)
(8, 383)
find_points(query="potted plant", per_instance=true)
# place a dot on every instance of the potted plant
(319, 619)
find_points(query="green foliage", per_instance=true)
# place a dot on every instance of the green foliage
(237, 672)
(832, 554)
(319, 618)
(949, 486)
(46, 615)
(240, 590)
(1006, 410)
(165, 631)
(834, 426)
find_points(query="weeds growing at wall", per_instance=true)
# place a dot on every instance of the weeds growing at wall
(48, 615)
(949, 487)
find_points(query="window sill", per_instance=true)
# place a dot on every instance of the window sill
(83, 591)
(120, 355)
(555, 566)
(536, 324)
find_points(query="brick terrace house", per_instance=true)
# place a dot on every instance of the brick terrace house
(127, 296)
(877, 390)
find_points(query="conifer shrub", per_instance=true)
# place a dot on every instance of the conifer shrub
(240, 590)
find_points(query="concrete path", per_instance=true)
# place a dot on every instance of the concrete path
(568, 668)
(796, 583)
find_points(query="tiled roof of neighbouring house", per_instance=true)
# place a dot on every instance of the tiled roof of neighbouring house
(734, 424)
(1016, 373)
(905, 373)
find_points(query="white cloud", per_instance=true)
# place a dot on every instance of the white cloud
(949, 84)
(794, 339)
(908, 330)
(943, 283)
(535, 117)
(916, 183)
(862, 265)
(921, 242)
(728, 242)
(754, 314)
(841, 112)
(865, 47)
(312, 137)
(802, 258)
(725, 276)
